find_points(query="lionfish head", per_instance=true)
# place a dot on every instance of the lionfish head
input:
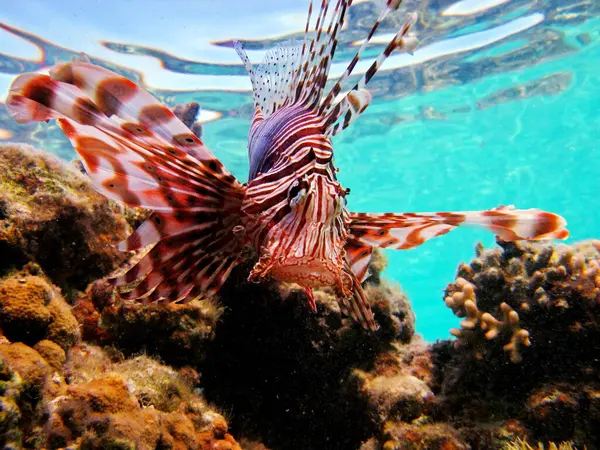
(305, 243)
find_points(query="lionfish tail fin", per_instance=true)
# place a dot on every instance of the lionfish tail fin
(404, 231)
(356, 101)
(136, 151)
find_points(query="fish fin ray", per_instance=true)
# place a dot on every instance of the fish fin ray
(186, 262)
(356, 101)
(408, 230)
(358, 257)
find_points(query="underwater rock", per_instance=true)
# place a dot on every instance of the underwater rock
(51, 215)
(32, 310)
(102, 403)
(25, 379)
(402, 436)
(131, 404)
(188, 113)
(176, 333)
(295, 378)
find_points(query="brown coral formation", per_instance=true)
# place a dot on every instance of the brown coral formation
(523, 367)
(51, 215)
(33, 310)
(97, 403)
(177, 333)
(512, 295)
(133, 404)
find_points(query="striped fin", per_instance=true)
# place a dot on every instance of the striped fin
(296, 74)
(404, 231)
(357, 305)
(137, 152)
(358, 257)
(194, 256)
(335, 90)
(356, 101)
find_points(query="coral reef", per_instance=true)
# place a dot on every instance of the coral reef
(299, 380)
(136, 403)
(33, 310)
(520, 292)
(522, 369)
(99, 403)
(550, 380)
(177, 333)
(51, 215)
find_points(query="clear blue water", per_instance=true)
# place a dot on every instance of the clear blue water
(499, 105)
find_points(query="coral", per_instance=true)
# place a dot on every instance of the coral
(400, 397)
(32, 368)
(524, 351)
(53, 354)
(296, 379)
(31, 310)
(51, 215)
(130, 404)
(521, 293)
(402, 436)
(177, 333)
(25, 378)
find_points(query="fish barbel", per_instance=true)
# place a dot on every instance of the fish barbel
(292, 210)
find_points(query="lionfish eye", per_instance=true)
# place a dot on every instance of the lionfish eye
(296, 193)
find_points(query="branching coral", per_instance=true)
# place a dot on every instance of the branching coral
(512, 295)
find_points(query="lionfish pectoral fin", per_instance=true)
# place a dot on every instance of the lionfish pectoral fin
(358, 257)
(408, 230)
(136, 151)
(357, 305)
(310, 296)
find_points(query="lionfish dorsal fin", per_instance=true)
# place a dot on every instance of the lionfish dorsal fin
(273, 79)
(356, 101)
(295, 72)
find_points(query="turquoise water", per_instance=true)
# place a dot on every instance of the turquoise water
(497, 106)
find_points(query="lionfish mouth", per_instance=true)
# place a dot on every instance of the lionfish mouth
(303, 271)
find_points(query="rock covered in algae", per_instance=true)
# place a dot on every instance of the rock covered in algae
(131, 404)
(303, 380)
(33, 310)
(99, 402)
(176, 333)
(51, 215)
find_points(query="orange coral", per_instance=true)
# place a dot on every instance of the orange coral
(31, 310)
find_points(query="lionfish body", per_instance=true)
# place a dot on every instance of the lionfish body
(292, 209)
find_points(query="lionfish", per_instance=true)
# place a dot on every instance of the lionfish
(292, 211)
